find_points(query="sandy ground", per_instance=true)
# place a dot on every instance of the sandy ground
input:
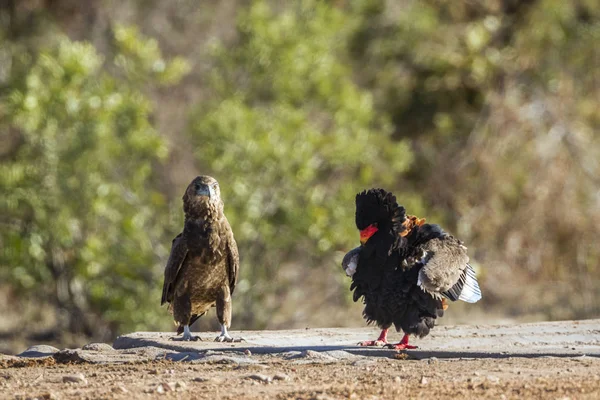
(547, 360)
(548, 377)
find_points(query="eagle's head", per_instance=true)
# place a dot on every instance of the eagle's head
(202, 193)
(369, 208)
(377, 209)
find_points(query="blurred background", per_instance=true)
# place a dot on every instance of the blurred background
(482, 116)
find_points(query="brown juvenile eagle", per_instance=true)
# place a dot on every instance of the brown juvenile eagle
(204, 262)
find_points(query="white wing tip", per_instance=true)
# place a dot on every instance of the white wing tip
(471, 293)
(351, 269)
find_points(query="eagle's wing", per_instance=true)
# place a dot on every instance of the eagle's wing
(446, 270)
(233, 258)
(177, 257)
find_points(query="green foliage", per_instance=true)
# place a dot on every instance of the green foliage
(500, 100)
(481, 116)
(292, 138)
(82, 222)
(141, 59)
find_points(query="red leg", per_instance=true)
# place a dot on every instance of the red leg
(381, 340)
(403, 345)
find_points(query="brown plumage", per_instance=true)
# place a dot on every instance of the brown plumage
(203, 266)
(445, 261)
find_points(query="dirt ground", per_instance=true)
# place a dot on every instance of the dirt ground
(548, 360)
(274, 378)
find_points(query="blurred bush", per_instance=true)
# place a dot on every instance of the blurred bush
(82, 223)
(294, 138)
(481, 116)
(500, 100)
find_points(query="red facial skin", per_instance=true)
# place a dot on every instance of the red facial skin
(366, 233)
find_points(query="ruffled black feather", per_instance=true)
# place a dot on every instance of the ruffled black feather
(389, 291)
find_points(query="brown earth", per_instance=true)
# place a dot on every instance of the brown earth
(549, 377)
(559, 360)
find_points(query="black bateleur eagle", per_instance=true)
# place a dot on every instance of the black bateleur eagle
(405, 269)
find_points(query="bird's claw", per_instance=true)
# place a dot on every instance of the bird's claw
(400, 346)
(186, 339)
(228, 339)
(376, 343)
(223, 338)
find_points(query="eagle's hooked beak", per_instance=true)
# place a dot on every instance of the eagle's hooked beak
(204, 190)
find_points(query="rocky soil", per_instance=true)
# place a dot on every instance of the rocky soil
(548, 360)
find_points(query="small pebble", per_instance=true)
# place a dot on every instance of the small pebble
(45, 396)
(398, 380)
(424, 380)
(76, 378)
(98, 347)
(120, 389)
(40, 350)
(259, 377)
(247, 352)
(363, 363)
(281, 377)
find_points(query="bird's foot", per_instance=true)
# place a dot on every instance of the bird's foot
(376, 343)
(186, 338)
(228, 339)
(381, 340)
(224, 336)
(403, 345)
(400, 346)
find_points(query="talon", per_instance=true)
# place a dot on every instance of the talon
(376, 343)
(381, 340)
(400, 346)
(403, 345)
(185, 339)
(224, 336)
(187, 336)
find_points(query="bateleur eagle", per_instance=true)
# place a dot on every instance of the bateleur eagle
(404, 268)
